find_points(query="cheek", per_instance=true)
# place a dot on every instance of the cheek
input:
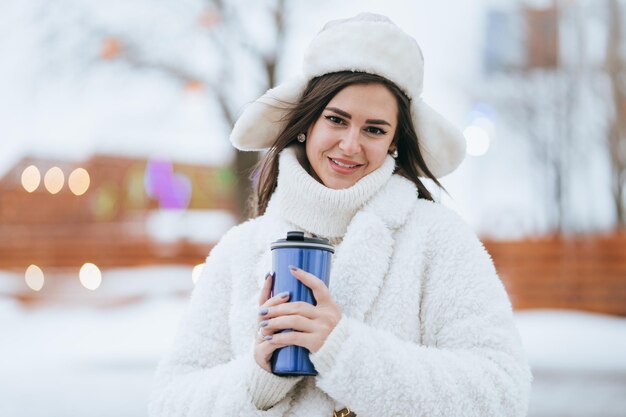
(319, 141)
(376, 157)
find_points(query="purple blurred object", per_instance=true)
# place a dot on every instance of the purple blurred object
(173, 191)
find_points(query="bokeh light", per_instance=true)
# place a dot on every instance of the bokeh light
(478, 140)
(173, 190)
(480, 129)
(78, 181)
(209, 19)
(196, 273)
(485, 123)
(54, 180)
(90, 276)
(226, 180)
(135, 198)
(34, 277)
(31, 177)
(483, 109)
(111, 48)
(105, 202)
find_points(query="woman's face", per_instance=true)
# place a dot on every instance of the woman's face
(353, 134)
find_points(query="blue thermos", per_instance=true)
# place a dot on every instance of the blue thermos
(312, 255)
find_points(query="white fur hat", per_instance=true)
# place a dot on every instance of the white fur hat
(368, 43)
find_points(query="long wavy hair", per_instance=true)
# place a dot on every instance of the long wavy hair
(303, 114)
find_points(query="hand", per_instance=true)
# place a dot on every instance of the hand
(311, 324)
(263, 349)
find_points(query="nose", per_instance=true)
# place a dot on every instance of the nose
(350, 143)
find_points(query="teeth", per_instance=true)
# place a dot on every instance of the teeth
(342, 165)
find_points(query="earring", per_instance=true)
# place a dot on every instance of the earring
(301, 137)
(394, 154)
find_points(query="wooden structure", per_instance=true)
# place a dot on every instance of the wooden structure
(542, 43)
(107, 224)
(582, 273)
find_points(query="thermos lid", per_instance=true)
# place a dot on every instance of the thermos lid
(296, 239)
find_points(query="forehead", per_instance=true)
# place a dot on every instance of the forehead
(367, 101)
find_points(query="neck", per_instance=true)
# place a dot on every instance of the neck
(311, 206)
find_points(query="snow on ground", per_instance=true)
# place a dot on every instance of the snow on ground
(578, 361)
(558, 340)
(66, 361)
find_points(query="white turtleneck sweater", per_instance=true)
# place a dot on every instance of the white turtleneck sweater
(426, 327)
(317, 209)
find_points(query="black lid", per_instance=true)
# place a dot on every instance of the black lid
(296, 239)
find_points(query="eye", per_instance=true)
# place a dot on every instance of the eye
(334, 119)
(376, 130)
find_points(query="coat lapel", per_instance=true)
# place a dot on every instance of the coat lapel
(362, 260)
(360, 263)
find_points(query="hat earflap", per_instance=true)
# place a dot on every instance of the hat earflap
(262, 120)
(442, 145)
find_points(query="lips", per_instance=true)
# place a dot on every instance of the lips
(346, 163)
(343, 166)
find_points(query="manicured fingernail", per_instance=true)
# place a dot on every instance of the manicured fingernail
(269, 274)
(293, 268)
(263, 311)
(268, 337)
(283, 294)
(264, 323)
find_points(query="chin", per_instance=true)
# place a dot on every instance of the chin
(339, 184)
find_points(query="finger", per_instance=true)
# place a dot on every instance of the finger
(267, 348)
(260, 335)
(263, 338)
(267, 288)
(277, 299)
(294, 322)
(301, 308)
(292, 338)
(272, 303)
(320, 291)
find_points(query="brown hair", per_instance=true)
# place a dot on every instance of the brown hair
(301, 115)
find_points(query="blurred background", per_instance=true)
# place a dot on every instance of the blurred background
(117, 177)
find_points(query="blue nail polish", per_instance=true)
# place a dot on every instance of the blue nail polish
(263, 311)
(264, 323)
(267, 337)
(267, 276)
(283, 294)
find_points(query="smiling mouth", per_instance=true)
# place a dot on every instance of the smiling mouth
(341, 164)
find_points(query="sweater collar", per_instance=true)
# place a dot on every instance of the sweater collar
(315, 208)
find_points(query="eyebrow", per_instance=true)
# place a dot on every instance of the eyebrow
(348, 116)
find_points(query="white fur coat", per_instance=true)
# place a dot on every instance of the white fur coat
(427, 327)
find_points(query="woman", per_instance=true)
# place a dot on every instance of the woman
(415, 322)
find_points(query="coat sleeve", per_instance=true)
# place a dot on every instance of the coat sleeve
(470, 361)
(198, 376)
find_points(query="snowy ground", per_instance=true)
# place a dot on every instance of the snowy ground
(578, 361)
(87, 361)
